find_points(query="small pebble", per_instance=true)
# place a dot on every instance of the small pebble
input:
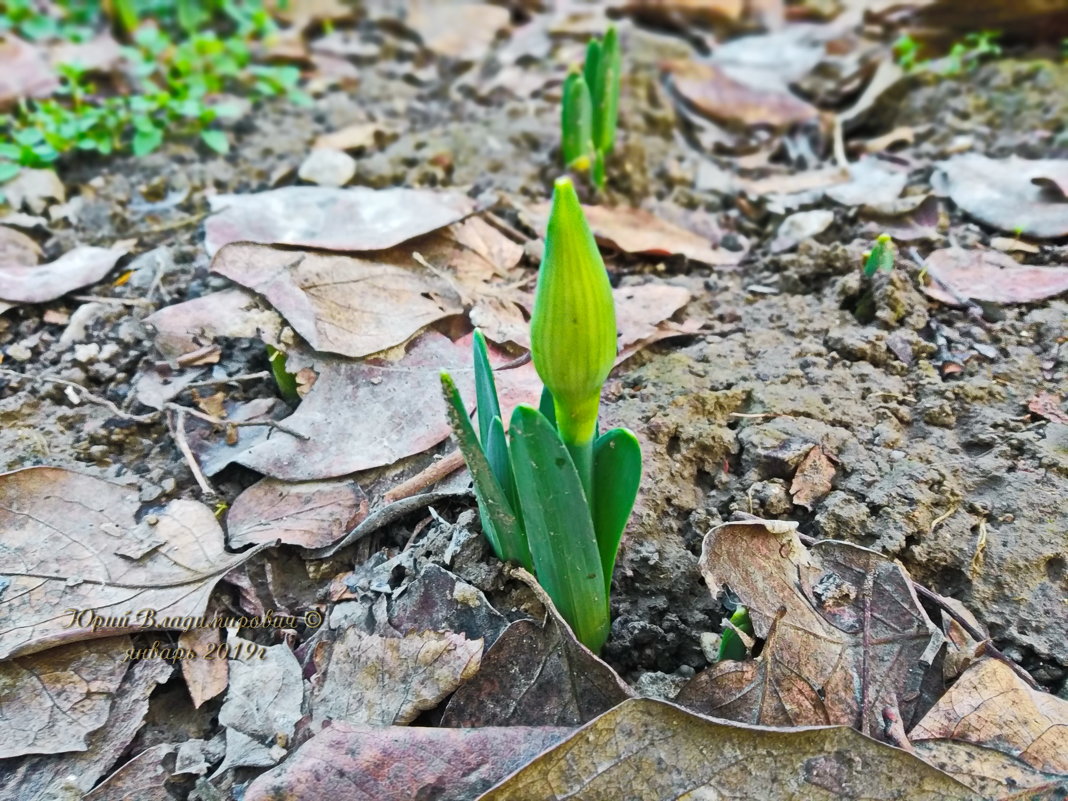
(327, 167)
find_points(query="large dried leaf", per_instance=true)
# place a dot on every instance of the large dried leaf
(33, 283)
(53, 700)
(389, 680)
(463, 31)
(717, 93)
(813, 478)
(641, 312)
(400, 763)
(990, 705)
(63, 776)
(233, 313)
(537, 675)
(657, 752)
(990, 276)
(145, 777)
(71, 541)
(358, 218)
(992, 774)
(1022, 196)
(205, 677)
(384, 411)
(24, 71)
(847, 638)
(309, 514)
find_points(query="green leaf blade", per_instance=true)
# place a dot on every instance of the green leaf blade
(617, 473)
(576, 123)
(487, 405)
(559, 527)
(505, 534)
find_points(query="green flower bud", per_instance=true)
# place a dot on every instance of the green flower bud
(573, 324)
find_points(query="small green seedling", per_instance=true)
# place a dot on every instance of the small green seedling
(590, 108)
(286, 381)
(554, 493)
(963, 56)
(880, 257)
(731, 646)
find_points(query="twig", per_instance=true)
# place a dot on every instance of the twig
(428, 477)
(177, 427)
(84, 394)
(243, 377)
(122, 301)
(942, 518)
(207, 418)
(839, 143)
(505, 227)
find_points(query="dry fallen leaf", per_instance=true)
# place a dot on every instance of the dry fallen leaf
(16, 248)
(110, 565)
(55, 699)
(383, 681)
(145, 777)
(33, 283)
(354, 219)
(990, 705)
(205, 676)
(1046, 404)
(991, 276)
(401, 763)
(1022, 196)
(991, 774)
(34, 189)
(25, 71)
(813, 478)
(846, 637)
(798, 227)
(311, 514)
(537, 675)
(720, 95)
(462, 31)
(231, 314)
(657, 752)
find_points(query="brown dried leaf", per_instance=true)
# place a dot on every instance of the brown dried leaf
(991, 276)
(400, 763)
(990, 705)
(992, 774)
(34, 189)
(16, 248)
(110, 564)
(358, 218)
(102, 53)
(462, 31)
(718, 94)
(641, 309)
(206, 675)
(311, 515)
(813, 478)
(145, 777)
(847, 638)
(46, 778)
(1010, 194)
(537, 675)
(1046, 404)
(24, 71)
(657, 752)
(53, 700)
(389, 680)
(351, 137)
(32, 283)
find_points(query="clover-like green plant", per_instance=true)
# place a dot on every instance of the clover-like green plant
(590, 108)
(553, 493)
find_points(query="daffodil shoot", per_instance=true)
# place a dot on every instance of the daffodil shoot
(590, 108)
(554, 495)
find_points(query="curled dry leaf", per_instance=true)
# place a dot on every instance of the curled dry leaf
(205, 676)
(70, 775)
(32, 283)
(54, 700)
(813, 478)
(990, 705)
(720, 95)
(389, 680)
(357, 218)
(1022, 196)
(399, 763)
(657, 752)
(537, 675)
(110, 564)
(846, 637)
(310, 514)
(990, 276)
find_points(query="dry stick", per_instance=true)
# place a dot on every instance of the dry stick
(82, 392)
(242, 377)
(942, 603)
(178, 432)
(207, 418)
(505, 227)
(428, 477)
(122, 301)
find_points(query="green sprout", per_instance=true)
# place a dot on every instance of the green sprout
(880, 257)
(906, 49)
(554, 495)
(590, 108)
(286, 381)
(731, 646)
(965, 55)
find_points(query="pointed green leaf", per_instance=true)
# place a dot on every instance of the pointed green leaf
(488, 406)
(576, 123)
(504, 533)
(881, 256)
(730, 644)
(590, 69)
(606, 96)
(559, 527)
(547, 406)
(496, 448)
(617, 472)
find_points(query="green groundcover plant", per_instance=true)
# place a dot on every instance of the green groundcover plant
(590, 106)
(553, 492)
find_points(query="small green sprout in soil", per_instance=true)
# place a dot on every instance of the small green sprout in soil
(556, 494)
(177, 82)
(590, 108)
(731, 646)
(963, 56)
(879, 259)
(286, 381)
